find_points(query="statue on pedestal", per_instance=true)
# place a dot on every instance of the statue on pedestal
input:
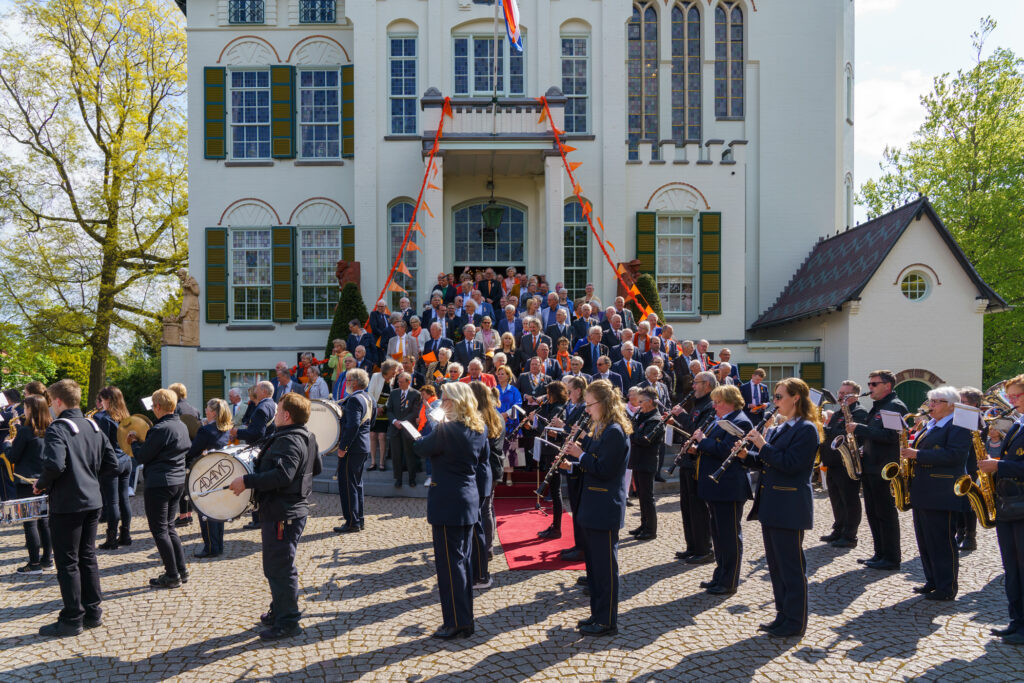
(183, 329)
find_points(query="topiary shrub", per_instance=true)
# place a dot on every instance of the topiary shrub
(350, 306)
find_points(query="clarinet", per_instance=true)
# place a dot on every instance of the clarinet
(580, 426)
(742, 444)
(669, 416)
(689, 442)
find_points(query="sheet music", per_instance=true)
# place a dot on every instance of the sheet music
(410, 429)
(966, 416)
(147, 402)
(815, 397)
(892, 420)
(3, 400)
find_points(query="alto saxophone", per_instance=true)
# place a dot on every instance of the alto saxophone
(981, 496)
(846, 444)
(899, 475)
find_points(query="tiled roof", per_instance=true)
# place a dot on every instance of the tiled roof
(839, 267)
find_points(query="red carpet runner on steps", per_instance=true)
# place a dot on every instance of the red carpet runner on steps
(517, 531)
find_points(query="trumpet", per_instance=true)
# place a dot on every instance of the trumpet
(563, 452)
(742, 444)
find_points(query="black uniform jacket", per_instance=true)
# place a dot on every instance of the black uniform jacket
(941, 460)
(880, 445)
(163, 452)
(284, 473)
(732, 485)
(783, 498)
(645, 441)
(73, 462)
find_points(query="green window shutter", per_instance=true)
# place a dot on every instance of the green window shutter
(214, 112)
(282, 112)
(216, 275)
(348, 243)
(646, 240)
(348, 111)
(746, 371)
(711, 263)
(282, 262)
(213, 384)
(813, 374)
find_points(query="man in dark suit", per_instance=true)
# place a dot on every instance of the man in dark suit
(631, 371)
(604, 371)
(471, 314)
(591, 349)
(469, 348)
(576, 370)
(510, 322)
(548, 365)
(560, 328)
(581, 325)
(725, 356)
(445, 289)
(489, 288)
(527, 347)
(755, 397)
(363, 359)
(533, 384)
(627, 315)
(409, 365)
(353, 449)
(433, 312)
(262, 417)
(360, 337)
(436, 342)
(379, 320)
(403, 404)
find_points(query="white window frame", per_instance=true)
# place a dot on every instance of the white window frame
(231, 377)
(298, 15)
(391, 98)
(585, 37)
(299, 123)
(231, 276)
(299, 266)
(411, 291)
(849, 93)
(927, 281)
(586, 268)
(232, 126)
(504, 74)
(694, 263)
(775, 372)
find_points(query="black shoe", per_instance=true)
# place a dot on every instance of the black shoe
(969, 545)
(720, 590)
(277, 632)
(868, 560)
(940, 597)
(593, 629)
(927, 588)
(183, 521)
(550, 532)
(111, 544)
(683, 554)
(450, 632)
(46, 562)
(60, 629)
(707, 584)
(382, 468)
(646, 536)
(581, 580)
(348, 529)
(828, 538)
(768, 626)
(412, 483)
(636, 531)
(202, 553)
(629, 503)
(251, 525)
(92, 623)
(165, 581)
(658, 477)
(267, 618)
(30, 569)
(570, 555)
(785, 632)
(183, 575)
(884, 565)
(844, 543)
(584, 622)
(371, 468)
(706, 558)
(125, 538)
(1003, 632)
(1014, 638)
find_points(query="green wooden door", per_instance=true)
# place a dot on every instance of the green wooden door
(913, 393)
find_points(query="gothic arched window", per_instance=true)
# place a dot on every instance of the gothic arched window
(728, 60)
(642, 76)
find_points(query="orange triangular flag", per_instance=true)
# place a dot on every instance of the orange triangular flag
(543, 115)
(433, 169)
(433, 150)
(427, 208)
(447, 108)
(587, 208)
(601, 223)
(573, 165)
(609, 243)
(566, 148)
(393, 287)
(648, 310)
(416, 226)
(620, 269)
(556, 131)
(432, 186)
(633, 290)
(412, 246)
(429, 357)
(403, 269)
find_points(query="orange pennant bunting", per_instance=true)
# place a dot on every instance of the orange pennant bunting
(587, 208)
(609, 243)
(634, 290)
(620, 269)
(403, 269)
(394, 287)
(566, 148)
(577, 189)
(412, 246)
(433, 150)
(600, 223)
(447, 108)
(433, 170)
(543, 116)
(573, 165)
(648, 310)
(416, 226)
(426, 207)
(432, 186)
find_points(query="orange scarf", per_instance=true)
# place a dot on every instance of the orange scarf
(563, 360)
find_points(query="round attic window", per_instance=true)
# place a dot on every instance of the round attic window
(915, 286)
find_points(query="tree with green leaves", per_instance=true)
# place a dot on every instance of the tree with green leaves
(648, 287)
(93, 168)
(350, 307)
(968, 158)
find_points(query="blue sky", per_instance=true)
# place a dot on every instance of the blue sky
(901, 45)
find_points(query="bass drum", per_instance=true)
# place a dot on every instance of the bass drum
(215, 470)
(325, 424)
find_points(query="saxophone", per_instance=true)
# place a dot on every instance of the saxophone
(981, 496)
(846, 444)
(900, 474)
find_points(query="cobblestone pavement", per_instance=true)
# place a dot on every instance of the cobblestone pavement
(370, 604)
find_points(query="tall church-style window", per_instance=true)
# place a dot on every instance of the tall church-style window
(577, 250)
(576, 82)
(729, 61)
(402, 92)
(399, 216)
(320, 114)
(250, 275)
(686, 68)
(642, 77)
(319, 253)
(250, 114)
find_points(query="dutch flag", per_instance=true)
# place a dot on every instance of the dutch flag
(511, 11)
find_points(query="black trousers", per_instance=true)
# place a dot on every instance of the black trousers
(967, 525)
(161, 511)
(727, 539)
(940, 555)
(213, 535)
(116, 502)
(696, 518)
(453, 565)
(402, 456)
(481, 541)
(555, 491)
(844, 495)
(784, 552)
(645, 493)
(74, 553)
(601, 555)
(37, 531)
(280, 540)
(575, 484)
(883, 520)
(350, 487)
(1011, 548)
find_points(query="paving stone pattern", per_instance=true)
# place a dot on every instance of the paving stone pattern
(370, 603)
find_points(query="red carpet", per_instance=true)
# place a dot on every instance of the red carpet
(517, 532)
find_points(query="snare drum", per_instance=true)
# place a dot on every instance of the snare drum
(24, 510)
(215, 470)
(325, 424)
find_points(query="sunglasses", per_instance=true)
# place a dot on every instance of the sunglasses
(779, 397)
(874, 384)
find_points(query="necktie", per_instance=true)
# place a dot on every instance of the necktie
(401, 347)
(593, 355)
(629, 370)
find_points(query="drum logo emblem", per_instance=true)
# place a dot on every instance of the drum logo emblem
(216, 476)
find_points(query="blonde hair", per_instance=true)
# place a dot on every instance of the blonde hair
(728, 393)
(297, 406)
(804, 408)
(166, 399)
(613, 409)
(179, 389)
(1014, 381)
(507, 372)
(463, 405)
(485, 404)
(220, 407)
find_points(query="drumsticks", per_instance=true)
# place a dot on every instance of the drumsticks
(200, 494)
(25, 479)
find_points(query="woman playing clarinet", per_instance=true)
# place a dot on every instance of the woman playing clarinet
(783, 502)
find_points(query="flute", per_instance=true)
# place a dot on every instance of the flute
(742, 444)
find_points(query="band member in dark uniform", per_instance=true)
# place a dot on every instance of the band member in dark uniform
(282, 482)
(602, 462)
(116, 501)
(784, 504)
(967, 522)
(354, 448)
(213, 434)
(843, 490)
(574, 412)
(487, 475)
(455, 448)
(1009, 476)
(26, 456)
(725, 498)
(163, 456)
(940, 452)
(75, 455)
(880, 446)
(696, 517)
(645, 445)
(554, 407)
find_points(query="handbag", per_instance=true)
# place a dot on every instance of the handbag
(1009, 500)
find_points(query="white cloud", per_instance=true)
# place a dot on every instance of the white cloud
(888, 111)
(863, 7)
